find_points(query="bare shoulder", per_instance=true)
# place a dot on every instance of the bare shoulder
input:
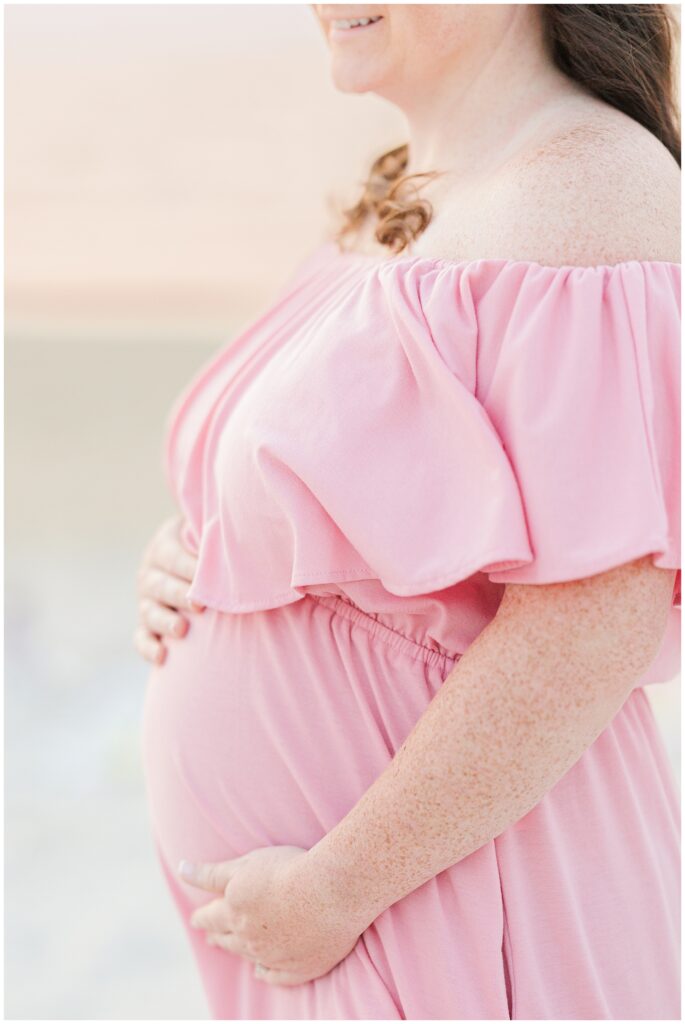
(602, 189)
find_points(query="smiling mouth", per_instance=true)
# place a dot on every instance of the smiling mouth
(353, 24)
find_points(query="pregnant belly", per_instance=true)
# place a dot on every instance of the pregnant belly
(266, 728)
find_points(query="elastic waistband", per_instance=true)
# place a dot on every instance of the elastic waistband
(400, 641)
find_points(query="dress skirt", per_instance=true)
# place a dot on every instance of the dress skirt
(267, 727)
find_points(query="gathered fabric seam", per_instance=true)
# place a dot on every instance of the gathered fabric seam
(393, 637)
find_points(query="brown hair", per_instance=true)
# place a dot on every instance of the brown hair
(622, 53)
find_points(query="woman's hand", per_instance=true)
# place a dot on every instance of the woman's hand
(165, 573)
(273, 909)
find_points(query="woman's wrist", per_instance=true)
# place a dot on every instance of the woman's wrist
(324, 872)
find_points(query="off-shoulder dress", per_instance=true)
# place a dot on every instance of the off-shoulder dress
(361, 472)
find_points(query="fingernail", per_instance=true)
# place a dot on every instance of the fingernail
(197, 607)
(186, 869)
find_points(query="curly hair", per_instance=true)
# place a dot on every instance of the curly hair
(622, 53)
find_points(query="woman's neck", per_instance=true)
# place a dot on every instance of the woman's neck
(472, 120)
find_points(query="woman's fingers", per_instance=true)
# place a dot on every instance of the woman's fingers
(165, 589)
(177, 560)
(149, 646)
(161, 620)
(213, 916)
(167, 569)
(230, 942)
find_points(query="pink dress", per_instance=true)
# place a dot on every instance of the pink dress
(362, 471)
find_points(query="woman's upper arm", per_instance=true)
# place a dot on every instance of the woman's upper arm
(613, 621)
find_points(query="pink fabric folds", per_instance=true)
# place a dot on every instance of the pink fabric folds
(417, 421)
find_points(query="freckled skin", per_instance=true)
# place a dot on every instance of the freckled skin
(536, 169)
(587, 185)
(531, 693)
(599, 189)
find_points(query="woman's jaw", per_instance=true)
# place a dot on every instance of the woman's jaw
(468, 77)
(357, 38)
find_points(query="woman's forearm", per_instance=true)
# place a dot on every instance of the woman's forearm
(516, 712)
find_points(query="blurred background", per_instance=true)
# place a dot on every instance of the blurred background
(166, 166)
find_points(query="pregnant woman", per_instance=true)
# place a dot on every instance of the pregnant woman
(402, 764)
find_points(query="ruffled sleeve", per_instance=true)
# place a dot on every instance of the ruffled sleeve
(422, 422)
(578, 370)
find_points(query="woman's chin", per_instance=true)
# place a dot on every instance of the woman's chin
(348, 78)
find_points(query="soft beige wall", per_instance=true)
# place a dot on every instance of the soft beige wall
(166, 165)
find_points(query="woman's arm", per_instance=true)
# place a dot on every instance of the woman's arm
(530, 694)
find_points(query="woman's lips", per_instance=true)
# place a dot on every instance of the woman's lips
(342, 28)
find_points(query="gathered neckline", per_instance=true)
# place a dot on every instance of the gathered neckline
(502, 261)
